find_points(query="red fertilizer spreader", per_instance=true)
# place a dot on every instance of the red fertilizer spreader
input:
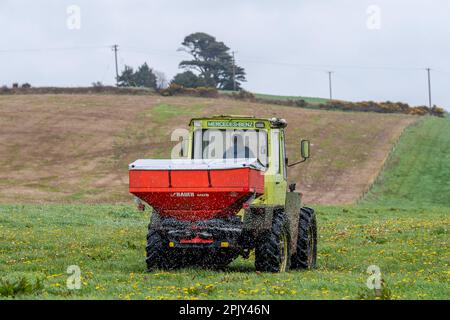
(196, 189)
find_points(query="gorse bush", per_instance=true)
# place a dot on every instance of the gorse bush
(176, 89)
(437, 111)
(382, 107)
(363, 106)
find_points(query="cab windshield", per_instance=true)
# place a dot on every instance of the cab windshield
(231, 144)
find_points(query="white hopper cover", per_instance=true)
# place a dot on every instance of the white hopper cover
(195, 164)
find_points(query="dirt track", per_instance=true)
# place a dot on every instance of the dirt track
(75, 148)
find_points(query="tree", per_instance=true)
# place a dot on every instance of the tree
(212, 60)
(143, 77)
(126, 79)
(97, 84)
(228, 83)
(188, 79)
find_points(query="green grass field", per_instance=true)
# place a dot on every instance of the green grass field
(402, 226)
(107, 243)
(418, 172)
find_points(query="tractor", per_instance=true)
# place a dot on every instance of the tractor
(226, 194)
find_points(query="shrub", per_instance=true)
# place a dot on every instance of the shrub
(382, 107)
(301, 103)
(188, 79)
(176, 89)
(243, 95)
(209, 92)
(438, 112)
(26, 85)
(419, 111)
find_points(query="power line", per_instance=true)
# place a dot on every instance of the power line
(317, 67)
(442, 71)
(325, 67)
(150, 52)
(52, 49)
(286, 64)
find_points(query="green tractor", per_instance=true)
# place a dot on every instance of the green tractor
(226, 195)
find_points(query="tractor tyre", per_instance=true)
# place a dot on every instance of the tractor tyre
(306, 255)
(272, 250)
(157, 256)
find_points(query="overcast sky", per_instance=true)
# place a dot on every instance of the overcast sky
(378, 50)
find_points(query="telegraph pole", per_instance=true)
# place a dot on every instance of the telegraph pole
(234, 72)
(330, 84)
(429, 87)
(115, 49)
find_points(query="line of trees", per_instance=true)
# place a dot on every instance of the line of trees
(211, 65)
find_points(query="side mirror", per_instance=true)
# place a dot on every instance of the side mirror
(304, 150)
(305, 146)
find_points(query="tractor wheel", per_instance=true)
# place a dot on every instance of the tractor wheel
(306, 255)
(272, 251)
(157, 256)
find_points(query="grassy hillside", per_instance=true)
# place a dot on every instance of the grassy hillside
(418, 172)
(76, 148)
(107, 243)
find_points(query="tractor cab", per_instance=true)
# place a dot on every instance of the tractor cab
(242, 137)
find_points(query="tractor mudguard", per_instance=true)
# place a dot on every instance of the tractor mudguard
(292, 210)
(258, 218)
